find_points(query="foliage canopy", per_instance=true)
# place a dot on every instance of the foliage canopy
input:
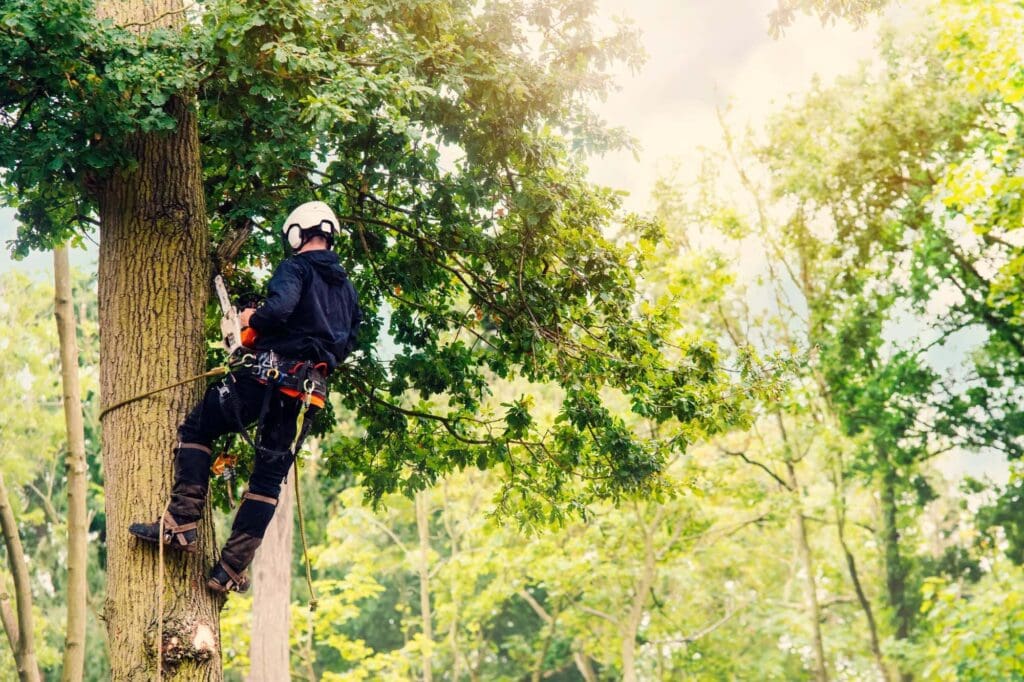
(448, 136)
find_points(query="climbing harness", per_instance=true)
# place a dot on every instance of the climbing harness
(294, 378)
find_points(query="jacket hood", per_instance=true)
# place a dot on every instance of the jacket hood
(326, 264)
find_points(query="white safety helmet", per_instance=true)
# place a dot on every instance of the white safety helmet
(311, 219)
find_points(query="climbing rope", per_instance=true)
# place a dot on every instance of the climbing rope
(160, 598)
(216, 371)
(302, 534)
(300, 422)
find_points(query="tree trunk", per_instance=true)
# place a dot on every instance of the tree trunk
(269, 651)
(8, 619)
(78, 472)
(803, 548)
(25, 651)
(453, 588)
(423, 526)
(810, 582)
(153, 288)
(645, 581)
(583, 665)
(895, 571)
(851, 567)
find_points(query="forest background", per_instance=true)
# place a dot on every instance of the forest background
(858, 241)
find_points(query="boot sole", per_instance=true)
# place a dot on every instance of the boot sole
(217, 587)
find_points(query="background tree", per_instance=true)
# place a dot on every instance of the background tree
(34, 463)
(77, 471)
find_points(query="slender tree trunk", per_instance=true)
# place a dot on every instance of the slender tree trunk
(78, 472)
(851, 567)
(453, 589)
(7, 618)
(584, 666)
(865, 605)
(423, 526)
(269, 650)
(550, 622)
(810, 582)
(25, 652)
(804, 553)
(153, 288)
(631, 627)
(895, 571)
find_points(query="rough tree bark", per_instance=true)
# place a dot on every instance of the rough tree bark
(153, 287)
(25, 651)
(423, 526)
(269, 653)
(78, 472)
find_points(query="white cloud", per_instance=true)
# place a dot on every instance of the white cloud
(703, 55)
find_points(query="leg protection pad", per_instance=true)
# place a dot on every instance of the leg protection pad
(247, 531)
(239, 551)
(254, 515)
(191, 480)
(192, 463)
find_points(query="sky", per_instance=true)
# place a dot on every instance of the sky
(706, 54)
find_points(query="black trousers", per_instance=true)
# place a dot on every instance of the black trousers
(220, 413)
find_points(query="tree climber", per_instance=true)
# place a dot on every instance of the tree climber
(305, 327)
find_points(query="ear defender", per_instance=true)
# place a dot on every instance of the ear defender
(311, 219)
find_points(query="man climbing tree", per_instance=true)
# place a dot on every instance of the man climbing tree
(306, 327)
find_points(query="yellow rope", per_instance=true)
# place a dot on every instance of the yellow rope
(160, 598)
(216, 371)
(302, 534)
(300, 420)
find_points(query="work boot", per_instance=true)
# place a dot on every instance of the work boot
(181, 536)
(188, 498)
(224, 579)
(251, 521)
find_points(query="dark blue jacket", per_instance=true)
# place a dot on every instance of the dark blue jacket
(311, 311)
